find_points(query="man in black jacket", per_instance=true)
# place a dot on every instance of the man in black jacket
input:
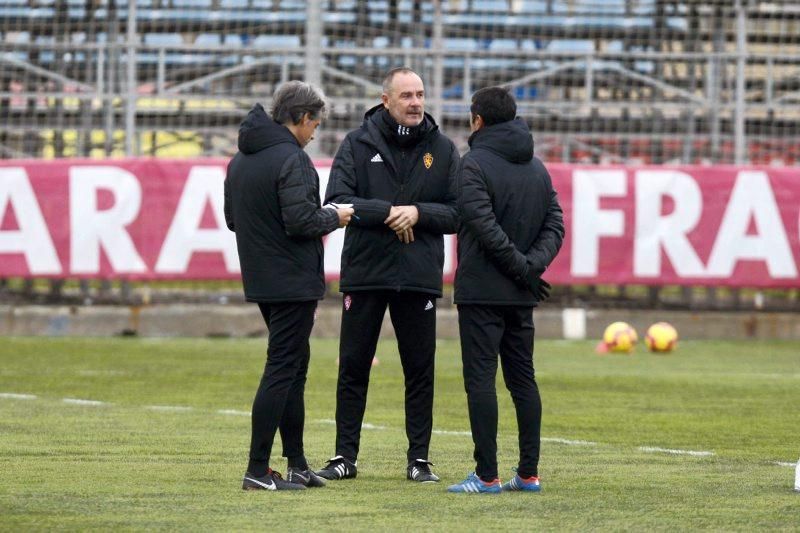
(511, 230)
(272, 204)
(398, 171)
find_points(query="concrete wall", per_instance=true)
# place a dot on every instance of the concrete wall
(245, 321)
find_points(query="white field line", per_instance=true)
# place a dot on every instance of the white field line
(364, 425)
(569, 442)
(694, 453)
(781, 463)
(14, 396)
(78, 401)
(447, 432)
(544, 439)
(168, 408)
(233, 412)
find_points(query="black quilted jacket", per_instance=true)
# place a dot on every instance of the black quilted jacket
(373, 174)
(272, 204)
(511, 223)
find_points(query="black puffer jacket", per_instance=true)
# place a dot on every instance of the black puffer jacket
(511, 223)
(367, 173)
(272, 203)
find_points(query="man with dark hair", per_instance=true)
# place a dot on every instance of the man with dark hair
(272, 204)
(398, 171)
(511, 230)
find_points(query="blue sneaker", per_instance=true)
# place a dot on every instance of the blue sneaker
(530, 484)
(475, 484)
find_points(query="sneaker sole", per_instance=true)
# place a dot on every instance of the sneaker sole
(491, 492)
(334, 478)
(265, 489)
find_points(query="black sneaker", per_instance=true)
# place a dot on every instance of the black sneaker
(270, 481)
(304, 477)
(420, 470)
(338, 468)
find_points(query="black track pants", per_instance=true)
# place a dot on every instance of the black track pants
(413, 316)
(508, 330)
(279, 401)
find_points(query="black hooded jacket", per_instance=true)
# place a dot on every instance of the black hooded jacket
(367, 173)
(511, 223)
(272, 204)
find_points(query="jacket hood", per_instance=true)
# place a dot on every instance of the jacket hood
(259, 131)
(510, 140)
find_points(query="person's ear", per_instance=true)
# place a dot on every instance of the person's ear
(385, 100)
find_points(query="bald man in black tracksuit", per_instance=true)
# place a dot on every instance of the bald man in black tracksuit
(511, 230)
(398, 171)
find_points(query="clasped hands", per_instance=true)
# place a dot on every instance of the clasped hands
(401, 220)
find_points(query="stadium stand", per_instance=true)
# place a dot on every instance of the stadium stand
(649, 81)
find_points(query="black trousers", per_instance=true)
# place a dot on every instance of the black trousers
(413, 316)
(508, 330)
(279, 401)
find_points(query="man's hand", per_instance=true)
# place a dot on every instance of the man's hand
(402, 218)
(406, 236)
(541, 291)
(345, 214)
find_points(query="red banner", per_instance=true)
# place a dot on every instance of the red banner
(734, 226)
(161, 219)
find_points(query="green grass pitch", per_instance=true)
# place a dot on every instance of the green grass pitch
(699, 439)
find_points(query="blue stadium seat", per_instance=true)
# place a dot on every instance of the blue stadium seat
(199, 4)
(578, 46)
(208, 39)
(276, 41)
(460, 44)
(234, 40)
(339, 17)
(503, 44)
(163, 39)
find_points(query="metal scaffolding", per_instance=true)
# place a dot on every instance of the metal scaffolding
(651, 80)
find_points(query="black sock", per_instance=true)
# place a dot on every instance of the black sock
(525, 474)
(488, 479)
(258, 468)
(298, 462)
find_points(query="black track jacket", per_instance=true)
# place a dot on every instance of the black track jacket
(366, 174)
(511, 223)
(272, 204)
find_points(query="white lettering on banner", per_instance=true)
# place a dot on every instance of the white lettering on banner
(324, 173)
(654, 230)
(589, 221)
(752, 196)
(92, 229)
(449, 246)
(185, 236)
(333, 251)
(32, 239)
(335, 240)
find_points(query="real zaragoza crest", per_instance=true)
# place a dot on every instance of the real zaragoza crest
(427, 159)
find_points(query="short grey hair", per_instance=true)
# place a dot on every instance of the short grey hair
(387, 80)
(294, 99)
